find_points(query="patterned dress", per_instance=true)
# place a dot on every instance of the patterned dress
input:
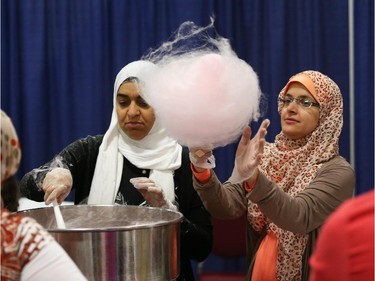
(21, 239)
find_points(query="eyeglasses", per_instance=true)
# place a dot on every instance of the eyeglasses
(303, 102)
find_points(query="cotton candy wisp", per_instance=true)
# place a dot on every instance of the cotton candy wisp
(203, 96)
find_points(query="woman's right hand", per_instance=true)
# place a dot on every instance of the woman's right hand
(202, 158)
(57, 185)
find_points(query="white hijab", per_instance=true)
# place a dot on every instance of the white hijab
(157, 152)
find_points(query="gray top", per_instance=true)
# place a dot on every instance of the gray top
(304, 213)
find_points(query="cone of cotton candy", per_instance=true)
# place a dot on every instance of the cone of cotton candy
(204, 99)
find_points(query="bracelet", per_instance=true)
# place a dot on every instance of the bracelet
(251, 187)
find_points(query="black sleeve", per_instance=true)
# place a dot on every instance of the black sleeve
(79, 157)
(196, 228)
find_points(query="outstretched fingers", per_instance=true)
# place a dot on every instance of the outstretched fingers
(264, 125)
(245, 138)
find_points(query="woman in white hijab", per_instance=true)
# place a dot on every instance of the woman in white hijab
(134, 163)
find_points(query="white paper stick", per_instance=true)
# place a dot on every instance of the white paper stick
(58, 215)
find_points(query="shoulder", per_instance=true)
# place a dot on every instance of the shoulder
(23, 233)
(338, 161)
(335, 180)
(8, 218)
(30, 228)
(90, 142)
(97, 139)
(338, 166)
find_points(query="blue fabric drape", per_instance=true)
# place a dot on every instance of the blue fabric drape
(364, 94)
(60, 58)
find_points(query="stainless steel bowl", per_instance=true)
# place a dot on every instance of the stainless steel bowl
(117, 242)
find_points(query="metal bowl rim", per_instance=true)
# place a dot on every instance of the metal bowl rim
(110, 229)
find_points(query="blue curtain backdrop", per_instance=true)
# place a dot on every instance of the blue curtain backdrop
(60, 58)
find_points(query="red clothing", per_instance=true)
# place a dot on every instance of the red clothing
(21, 239)
(345, 246)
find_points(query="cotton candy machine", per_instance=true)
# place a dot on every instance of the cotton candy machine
(117, 242)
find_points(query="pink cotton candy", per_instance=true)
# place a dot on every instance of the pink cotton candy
(204, 99)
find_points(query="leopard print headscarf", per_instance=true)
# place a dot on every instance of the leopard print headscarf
(293, 164)
(10, 148)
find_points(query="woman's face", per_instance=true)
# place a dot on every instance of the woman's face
(135, 116)
(298, 121)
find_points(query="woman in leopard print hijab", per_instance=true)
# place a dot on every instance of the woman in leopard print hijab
(293, 163)
(299, 182)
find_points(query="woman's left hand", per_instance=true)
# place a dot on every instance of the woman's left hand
(152, 193)
(249, 153)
